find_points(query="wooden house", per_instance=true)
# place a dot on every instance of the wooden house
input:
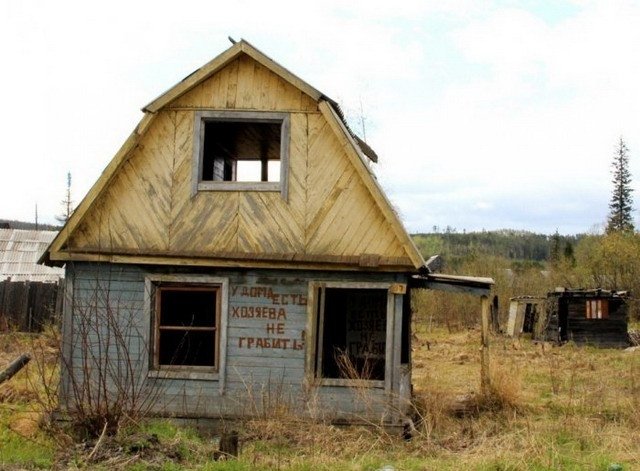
(238, 255)
(595, 317)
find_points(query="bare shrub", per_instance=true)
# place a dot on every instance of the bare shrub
(104, 359)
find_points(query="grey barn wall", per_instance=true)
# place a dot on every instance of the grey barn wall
(257, 380)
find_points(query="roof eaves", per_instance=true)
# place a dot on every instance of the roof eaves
(193, 79)
(432, 280)
(371, 182)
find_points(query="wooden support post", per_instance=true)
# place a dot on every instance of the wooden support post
(485, 380)
(228, 446)
(495, 324)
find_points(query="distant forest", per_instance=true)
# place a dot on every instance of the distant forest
(453, 246)
(506, 243)
(12, 224)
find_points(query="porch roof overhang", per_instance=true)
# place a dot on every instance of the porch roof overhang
(477, 286)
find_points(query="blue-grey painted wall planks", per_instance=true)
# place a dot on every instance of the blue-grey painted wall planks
(109, 327)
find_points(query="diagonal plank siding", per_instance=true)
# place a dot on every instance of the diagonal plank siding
(148, 206)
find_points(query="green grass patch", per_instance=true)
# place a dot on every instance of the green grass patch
(34, 451)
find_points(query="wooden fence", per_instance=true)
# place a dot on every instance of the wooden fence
(28, 305)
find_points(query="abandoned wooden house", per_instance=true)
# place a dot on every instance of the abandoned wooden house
(238, 254)
(595, 317)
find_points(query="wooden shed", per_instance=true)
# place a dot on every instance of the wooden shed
(526, 315)
(595, 317)
(237, 256)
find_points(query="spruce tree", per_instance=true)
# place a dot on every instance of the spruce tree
(621, 205)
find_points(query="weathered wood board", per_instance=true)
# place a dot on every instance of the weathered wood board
(331, 212)
(265, 344)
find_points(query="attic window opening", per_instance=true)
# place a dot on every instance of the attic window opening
(352, 326)
(186, 327)
(241, 150)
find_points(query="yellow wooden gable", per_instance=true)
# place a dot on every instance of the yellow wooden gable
(144, 209)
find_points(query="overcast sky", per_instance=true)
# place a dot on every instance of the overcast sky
(485, 114)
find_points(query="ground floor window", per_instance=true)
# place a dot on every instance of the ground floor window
(351, 333)
(186, 328)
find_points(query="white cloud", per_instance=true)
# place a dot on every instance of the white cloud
(476, 108)
(540, 118)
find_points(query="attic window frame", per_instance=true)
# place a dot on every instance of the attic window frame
(204, 116)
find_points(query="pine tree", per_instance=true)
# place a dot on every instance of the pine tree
(67, 203)
(621, 205)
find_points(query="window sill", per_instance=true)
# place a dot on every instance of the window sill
(183, 374)
(239, 186)
(351, 383)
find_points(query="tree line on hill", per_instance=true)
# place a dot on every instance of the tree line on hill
(509, 244)
(608, 261)
(528, 264)
(14, 224)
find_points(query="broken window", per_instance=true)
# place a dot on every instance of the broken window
(241, 151)
(236, 151)
(186, 326)
(597, 309)
(351, 333)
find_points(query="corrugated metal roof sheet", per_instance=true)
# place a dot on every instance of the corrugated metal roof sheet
(19, 253)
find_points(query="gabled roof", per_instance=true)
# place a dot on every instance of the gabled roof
(357, 150)
(211, 67)
(203, 73)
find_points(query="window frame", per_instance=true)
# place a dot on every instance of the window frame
(153, 285)
(314, 335)
(202, 116)
(158, 327)
(596, 309)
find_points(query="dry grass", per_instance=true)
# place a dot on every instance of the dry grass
(548, 408)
